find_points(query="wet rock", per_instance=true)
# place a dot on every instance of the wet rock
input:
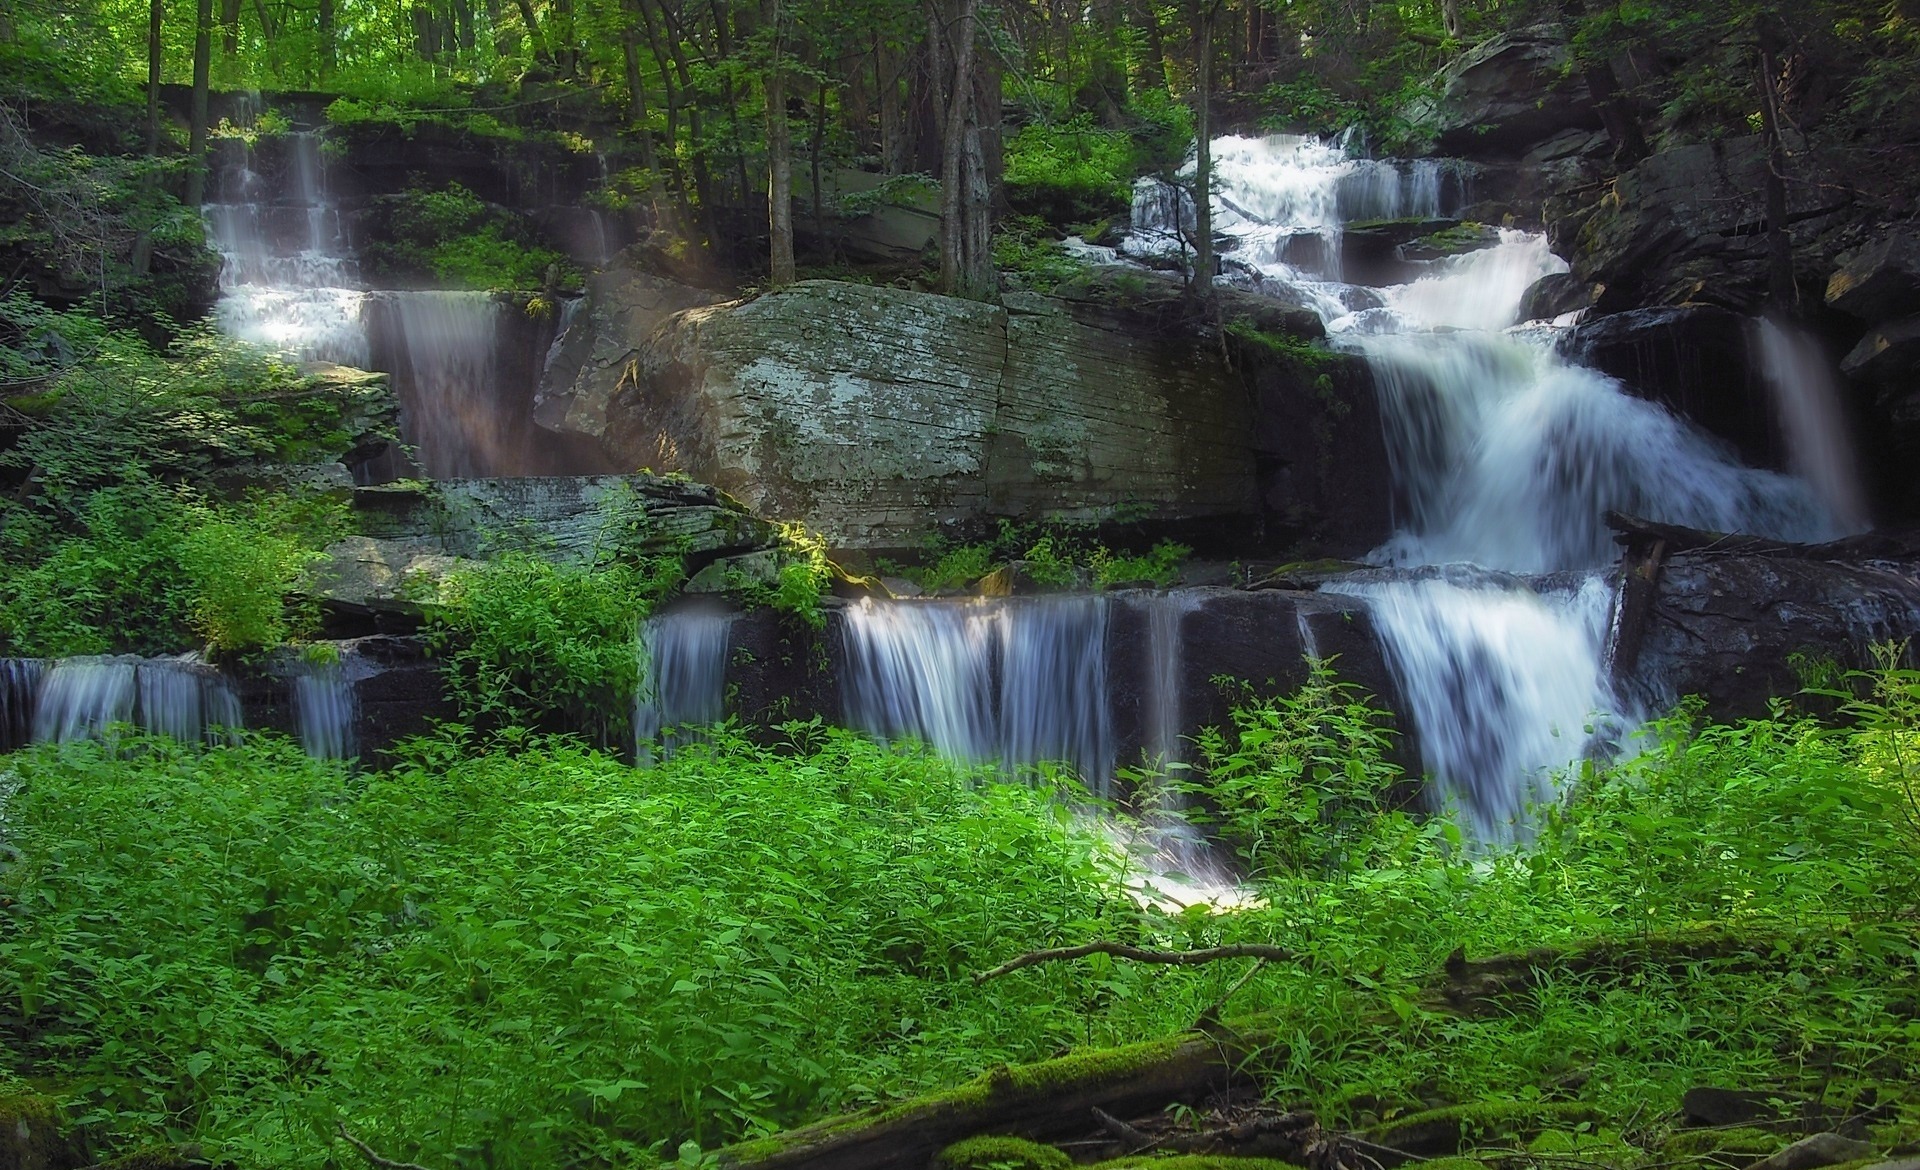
(595, 356)
(1695, 361)
(1888, 353)
(1554, 295)
(563, 517)
(881, 414)
(1372, 252)
(1509, 93)
(366, 574)
(1822, 1149)
(1708, 1106)
(1879, 280)
(1738, 629)
(33, 1134)
(1689, 224)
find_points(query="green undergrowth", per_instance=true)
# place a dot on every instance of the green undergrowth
(128, 523)
(518, 951)
(460, 241)
(1052, 555)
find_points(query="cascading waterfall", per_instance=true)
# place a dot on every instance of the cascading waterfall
(1505, 457)
(76, 698)
(683, 679)
(287, 278)
(1018, 681)
(325, 708)
(442, 349)
(1805, 393)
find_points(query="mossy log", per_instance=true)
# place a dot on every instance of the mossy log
(1049, 1100)
(1481, 987)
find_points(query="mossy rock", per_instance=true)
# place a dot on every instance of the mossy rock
(1738, 1147)
(1000, 1153)
(1457, 1128)
(158, 1158)
(1193, 1163)
(33, 1134)
(1598, 1147)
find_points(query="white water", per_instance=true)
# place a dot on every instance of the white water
(1808, 399)
(1504, 457)
(287, 278)
(443, 351)
(682, 681)
(1017, 681)
(325, 708)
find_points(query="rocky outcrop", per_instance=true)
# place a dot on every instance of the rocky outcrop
(1688, 224)
(1741, 622)
(1509, 93)
(881, 416)
(414, 530)
(1693, 359)
(1879, 280)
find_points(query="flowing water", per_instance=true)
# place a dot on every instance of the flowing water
(289, 281)
(325, 707)
(1016, 680)
(1505, 460)
(683, 679)
(78, 698)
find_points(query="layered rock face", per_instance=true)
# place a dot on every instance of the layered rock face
(882, 415)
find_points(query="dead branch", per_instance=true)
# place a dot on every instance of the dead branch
(1140, 955)
(371, 1155)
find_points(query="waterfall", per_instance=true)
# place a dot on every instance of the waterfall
(82, 697)
(1808, 400)
(443, 351)
(287, 279)
(1019, 681)
(683, 678)
(325, 708)
(20, 680)
(1504, 457)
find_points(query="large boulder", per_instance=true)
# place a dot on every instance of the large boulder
(1889, 353)
(880, 416)
(1689, 224)
(1694, 360)
(1508, 93)
(1879, 280)
(598, 348)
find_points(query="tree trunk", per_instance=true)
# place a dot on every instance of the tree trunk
(637, 88)
(815, 149)
(535, 43)
(1780, 283)
(1450, 17)
(328, 51)
(230, 27)
(1156, 59)
(197, 124)
(779, 155)
(888, 64)
(1204, 14)
(954, 143)
(156, 59)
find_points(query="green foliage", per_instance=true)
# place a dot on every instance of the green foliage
(146, 571)
(524, 955)
(464, 242)
(1054, 555)
(1027, 247)
(1072, 170)
(1299, 782)
(525, 638)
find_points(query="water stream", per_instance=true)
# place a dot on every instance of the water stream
(1505, 458)
(683, 679)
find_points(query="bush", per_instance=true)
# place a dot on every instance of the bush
(463, 242)
(1070, 171)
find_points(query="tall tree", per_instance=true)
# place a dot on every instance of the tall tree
(197, 117)
(779, 149)
(1204, 14)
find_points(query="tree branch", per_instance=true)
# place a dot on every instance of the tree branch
(1140, 955)
(373, 1158)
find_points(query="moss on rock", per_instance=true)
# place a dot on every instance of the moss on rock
(1000, 1153)
(32, 1135)
(1738, 1147)
(1458, 1127)
(1196, 1162)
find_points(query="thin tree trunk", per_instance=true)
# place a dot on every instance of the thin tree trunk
(959, 102)
(197, 123)
(1149, 21)
(888, 92)
(814, 150)
(1205, 12)
(536, 44)
(1780, 284)
(230, 27)
(637, 88)
(156, 59)
(779, 156)
(1450, 17)
(329, 57)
